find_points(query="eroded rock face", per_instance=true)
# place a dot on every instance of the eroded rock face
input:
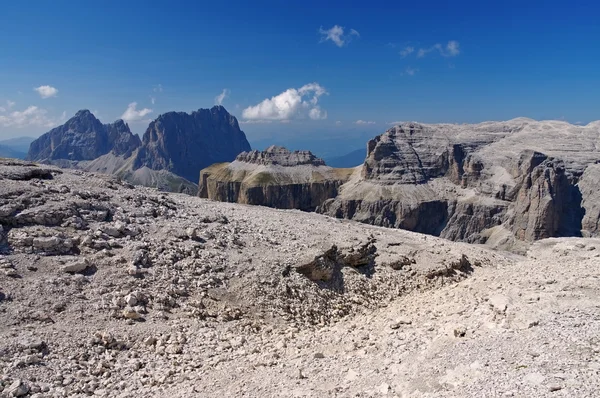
(277, 155)
(83, 137)
(463, 182)
(275, 177)
(185, 143)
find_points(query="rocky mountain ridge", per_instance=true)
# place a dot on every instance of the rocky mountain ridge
(174, 148)
(84, 137)
(498, 183)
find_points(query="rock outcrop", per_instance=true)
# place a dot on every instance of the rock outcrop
(84, 137)
(185, 143)
(275, 177)
(471, 182)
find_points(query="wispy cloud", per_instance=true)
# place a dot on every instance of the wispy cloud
(290, 104)
(395, 123)
(406, 51)
(338, 123)
(46, 91)
(158, 88)
(256, 121)
(132, 114)
(363, 122)
(32, 116)
(408, 71)
(337, 36)
(9, 105)
(221, 97)
(451, 49)
(153, 100)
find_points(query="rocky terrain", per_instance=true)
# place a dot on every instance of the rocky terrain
(499, 183)
(175, 147)
(112, 290)
(495, 182)
(275, 177)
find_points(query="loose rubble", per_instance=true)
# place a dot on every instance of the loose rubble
(115, 291)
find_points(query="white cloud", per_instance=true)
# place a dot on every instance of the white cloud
(452, 49)
(317, 113)
(410, 71)
(407, 51)
(336, 35)
(256, 122)
(338, 123)
(292, 103)
(395, 123)
(46, 91)
(132, 114)
(362, 122)
(10, 104)
(221, 97)
(158, 88)
(30, 117)
(153, 100)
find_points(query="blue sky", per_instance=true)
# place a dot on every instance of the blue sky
(429, 61)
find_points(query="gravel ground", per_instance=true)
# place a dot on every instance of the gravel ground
(112, 290)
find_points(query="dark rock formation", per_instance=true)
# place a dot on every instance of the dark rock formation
(184, 143)
(275, 177)
(83, 137)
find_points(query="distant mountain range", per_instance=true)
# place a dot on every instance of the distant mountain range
(15, 147)
(352, 159)
(174, 148)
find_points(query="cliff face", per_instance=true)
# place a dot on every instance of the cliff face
(530, 179)
(184, 143)
(83, 137)
(275, 177)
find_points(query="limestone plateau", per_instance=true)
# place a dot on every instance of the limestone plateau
(499, 183)
(113, 290)
(173, 149)
(275, 177)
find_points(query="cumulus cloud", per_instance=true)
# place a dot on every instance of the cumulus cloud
(221, 97)
(337, 36)
(317, 113)
(406, 51)
(452, 49)
(32, 116)
(363, 122)
(290, 104)
(132, 114)
(46, 91)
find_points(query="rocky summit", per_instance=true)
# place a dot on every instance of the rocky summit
(175, 147)
(84, 137)
(275, 177)
(184, 143)
(113, 290)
